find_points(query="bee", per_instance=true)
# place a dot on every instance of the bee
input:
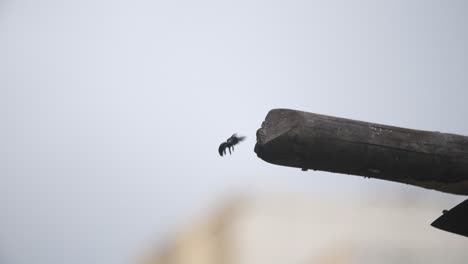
(230, 142)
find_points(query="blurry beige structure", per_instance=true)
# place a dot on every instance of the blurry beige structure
(281, 229)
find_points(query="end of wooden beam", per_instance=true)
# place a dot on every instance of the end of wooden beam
(274, 130)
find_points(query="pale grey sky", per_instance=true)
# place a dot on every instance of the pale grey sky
(112, 111)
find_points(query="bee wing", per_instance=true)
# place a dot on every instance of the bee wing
(241, 138)
(222, 148)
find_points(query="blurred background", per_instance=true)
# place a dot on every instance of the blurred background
(112, 112)
(291, 228)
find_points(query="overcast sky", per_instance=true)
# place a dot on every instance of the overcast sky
(112, 111)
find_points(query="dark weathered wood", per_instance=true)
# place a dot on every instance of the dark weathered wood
(310, 141)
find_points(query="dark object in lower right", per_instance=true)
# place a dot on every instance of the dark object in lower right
(455, 220)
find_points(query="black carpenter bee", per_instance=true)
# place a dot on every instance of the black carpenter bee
(230, 142)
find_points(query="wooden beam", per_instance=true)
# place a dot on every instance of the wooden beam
(304, 140)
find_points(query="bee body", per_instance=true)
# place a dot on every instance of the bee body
(230, 142)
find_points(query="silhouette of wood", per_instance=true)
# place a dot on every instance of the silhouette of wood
(454, 220)
(304, 140)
